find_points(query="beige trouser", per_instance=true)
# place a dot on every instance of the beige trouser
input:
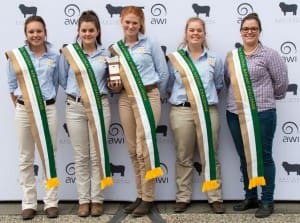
(86, 162)
(184, 131)
(27, 154)
(135, 141)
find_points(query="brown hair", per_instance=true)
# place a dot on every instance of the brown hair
(193, 19)
(90, 16)
(251, 16)
(137, 11)
(35, 18)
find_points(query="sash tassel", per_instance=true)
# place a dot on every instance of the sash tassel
(52, 182)
(106, 182)
(153, 173)
(210, 185)
(256, 181)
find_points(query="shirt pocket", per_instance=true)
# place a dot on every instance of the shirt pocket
(142, 56)
(207, 75)
(51, 66)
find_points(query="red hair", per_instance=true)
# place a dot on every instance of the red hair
(137, 11)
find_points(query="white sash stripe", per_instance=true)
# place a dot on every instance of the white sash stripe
(247, 111)
(34, 105)
(92, 100)
(199, 108)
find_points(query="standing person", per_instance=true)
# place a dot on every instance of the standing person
(195, 81)
(83, 75)
(143, 72)
(33, 84)
(256, 76)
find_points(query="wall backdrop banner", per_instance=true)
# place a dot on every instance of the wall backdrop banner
(165, 21)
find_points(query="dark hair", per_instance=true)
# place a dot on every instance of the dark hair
(35, 18)
(193, 19)
(136, 11)
(251, 16)
(90, 16)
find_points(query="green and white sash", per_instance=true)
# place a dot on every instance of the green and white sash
(197, 97)
(93, 105)
(36, 109)
(248, 116)
(142, 111)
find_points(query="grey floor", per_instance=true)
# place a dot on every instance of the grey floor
(163, 212)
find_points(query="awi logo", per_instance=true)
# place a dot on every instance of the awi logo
(291, 130)
(70, 170)
(289, 50)
(159, 13)
(243, 10)
(164, 178)
(72, 12)
(116, 134)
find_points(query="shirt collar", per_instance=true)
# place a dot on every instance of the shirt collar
(204, 53)
(140, 38)
(99, 48)
(48, 46)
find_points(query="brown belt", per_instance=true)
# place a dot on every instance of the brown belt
(150, 87)
(48, 102)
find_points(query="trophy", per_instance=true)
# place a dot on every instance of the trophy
(114, 69)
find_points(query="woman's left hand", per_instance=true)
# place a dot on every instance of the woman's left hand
(115, 85)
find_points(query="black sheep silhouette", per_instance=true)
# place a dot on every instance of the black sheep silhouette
(288, 167)
(198, 167)
(117, 169)
(31, 10)
(201, 9)
(162, 129)
(288, 8)
(115, 9)
(292, 88)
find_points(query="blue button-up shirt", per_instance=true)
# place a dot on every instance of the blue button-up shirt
(151, 62)
(98, 62)
(46, 67)
(210, 69)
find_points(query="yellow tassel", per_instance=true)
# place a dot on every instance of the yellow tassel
(210, 185)
(257, 181)
(156, 172)
(106, 182)
(52, 182)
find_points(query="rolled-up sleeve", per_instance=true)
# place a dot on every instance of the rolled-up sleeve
(161, 67)
(63, 67)
(219, 74)
(12, 77)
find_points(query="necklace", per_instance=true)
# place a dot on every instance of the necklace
(252, 51)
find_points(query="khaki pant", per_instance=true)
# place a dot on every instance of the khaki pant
(86, 162)
(184, 131)
(27, 154)
(135, 141)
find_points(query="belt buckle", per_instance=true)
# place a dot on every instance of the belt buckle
(77, 99)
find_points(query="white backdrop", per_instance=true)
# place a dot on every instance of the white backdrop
(165, 22)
